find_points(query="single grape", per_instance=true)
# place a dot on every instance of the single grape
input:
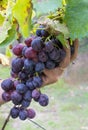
(6, 96)
(14, 112)
(16, 98)
(49, 47)
(54, 54)
(28, 41)
(36, 94)
(30, 53)
(39, 67)
(22, 75)
(42, 56)
(7, 84)
(44, 33)
(38, 81)
(25, 103)
(23, 114)
(31, 113)
(21, 88)
(50, 64)
(37, 44)
(28, 95)
(24, 50)
(38, 31)
(17, 65)
(17, 49)
(43, 100)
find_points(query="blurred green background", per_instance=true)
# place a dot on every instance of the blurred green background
(68, 107)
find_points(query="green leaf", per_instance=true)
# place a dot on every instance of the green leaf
(76, 18)
(11, 37)
(8, 52)
(22, 11)
(1, 19)
(46, 6)
(62, 39)
(4, 30)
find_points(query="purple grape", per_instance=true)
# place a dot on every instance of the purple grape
(24, 50)
(23, 114)
(16, 98)
(28, 95)
(17, 49)
(13, 74)
(25, 103)
(38, 31)
(7, 84)
(14, 112)
(21, 88)
(44, 33)
(6, 96)
(31, 113)
(50, 64)
(37, 44)
(36, 94)
(22, 76)
(54, 54)
(29, 65)
(43, 57)
(43, 100)
(28, 41)
(30, 53)
(17, 65)
(49, 47)
(29, 84)
(39, 67)
(38, 80)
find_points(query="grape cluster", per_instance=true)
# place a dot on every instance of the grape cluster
(39, 52)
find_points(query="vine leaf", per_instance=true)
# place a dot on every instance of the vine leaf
(12, 34)
(46, 6)
(76, 18)
(22, 11)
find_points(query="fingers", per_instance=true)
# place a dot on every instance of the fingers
(76, 45)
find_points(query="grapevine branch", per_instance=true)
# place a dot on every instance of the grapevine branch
(37, 124)
(6, 121)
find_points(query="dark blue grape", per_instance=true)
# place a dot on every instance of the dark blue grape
(31, 113)
(16, 98)
(57, 43)
(29, 66)
(6, 96)
(21, 88)
(38, 81)
(43, 100)
(23, 114)
(44, 33)
(55, 54)
(37, 44)
(49, 46)
(22, 76)
(14, 112)
(17, 65)
(25, 103)
(28, 95)
(39, 67)
(7, 84)
(42, 56)
(50, 64)
(38, 31)
(29, 84)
